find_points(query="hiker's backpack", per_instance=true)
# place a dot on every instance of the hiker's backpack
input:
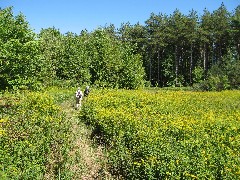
(86, 92)
(79, 94)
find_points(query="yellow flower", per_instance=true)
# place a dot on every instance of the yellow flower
(3, 120)
(2, 132)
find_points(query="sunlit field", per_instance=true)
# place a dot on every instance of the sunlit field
(168, 134)
(34, 135)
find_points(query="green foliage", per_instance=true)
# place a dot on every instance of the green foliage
(75, 63)
(231, 68)
(198, 74)
(97, 58)
(184, 42)
(113, 63)
(51, 49)
(21, 63)
(34, 137)
(167, 50)
(224, 75)
(217, 83)
(167, 134)
(14, 27)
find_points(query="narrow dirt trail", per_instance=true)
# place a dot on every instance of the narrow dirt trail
(87, 160)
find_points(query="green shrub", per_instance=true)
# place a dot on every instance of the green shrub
(34, 138)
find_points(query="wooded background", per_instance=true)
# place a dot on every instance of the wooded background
(168, 50)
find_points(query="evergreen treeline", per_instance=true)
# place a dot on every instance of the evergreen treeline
(174, 50)
(179, 50)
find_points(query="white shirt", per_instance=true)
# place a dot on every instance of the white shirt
(79, 92)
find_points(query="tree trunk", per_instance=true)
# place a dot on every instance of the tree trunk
(162, 69)
(176, 65)
(191, 64)
(238, 49)
(150, 68)
(158, 75)
(220, 50)
(213, 53)
(204, 61)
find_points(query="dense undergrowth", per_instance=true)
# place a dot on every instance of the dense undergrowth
(168, 134)
(148, 134)
(34, 135)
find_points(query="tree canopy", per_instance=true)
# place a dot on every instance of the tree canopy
(169, 50)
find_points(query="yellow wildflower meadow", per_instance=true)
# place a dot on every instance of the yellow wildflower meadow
(168, 134)
(34, 136)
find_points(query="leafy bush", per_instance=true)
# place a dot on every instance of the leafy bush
(167, 134)
(113, 63)
(93, 58)
(34, 137)
(214, 83)
(198, 74)
(223, 75)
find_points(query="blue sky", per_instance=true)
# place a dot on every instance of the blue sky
(76, 15)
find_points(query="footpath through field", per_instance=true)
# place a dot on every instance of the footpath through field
(87, 159)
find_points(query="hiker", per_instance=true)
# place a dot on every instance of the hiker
(86, 91)
(79, 96)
